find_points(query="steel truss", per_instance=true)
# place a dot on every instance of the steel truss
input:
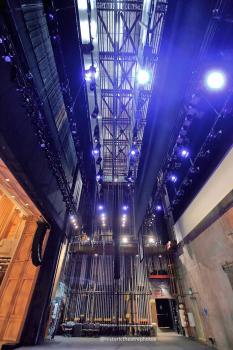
(122, 103)
(118, 33)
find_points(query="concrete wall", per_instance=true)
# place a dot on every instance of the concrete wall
(205, 233)
(214, 191)
(200, 268)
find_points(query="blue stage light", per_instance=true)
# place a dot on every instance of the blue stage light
(133, 152)
(158, 207)
(215, 80)
(173, 178)
(184, 152)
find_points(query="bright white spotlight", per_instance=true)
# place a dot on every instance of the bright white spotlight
(151, 240)
(143, 76)
(184, 152)
(133, 152)
(88, 76)
(215, 80)
(124, 239)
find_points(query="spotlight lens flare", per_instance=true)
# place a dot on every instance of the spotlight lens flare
(133, 152)
(215, 80)
(143, 76)
(151, 240)
(173, 178)
(124, 240)
(158, 207)
(184, 153)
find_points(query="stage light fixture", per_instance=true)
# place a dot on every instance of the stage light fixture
(95, 112)
(215, 80)
(124, 239)
(184, 152)
(129, 177)
(7, 58)
(151, 240)
(99, 176)
(173, 178)
(50, 16)
(125, 207)
(143, 77)
(100, 207)
(133, 152)
(96, 134)
(97, 148)
(90, 74)
(158, 207)
(99, 160)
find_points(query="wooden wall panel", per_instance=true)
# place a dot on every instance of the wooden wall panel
(7, 209)
(17, 287)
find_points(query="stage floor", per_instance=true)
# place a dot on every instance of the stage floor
(164, 341)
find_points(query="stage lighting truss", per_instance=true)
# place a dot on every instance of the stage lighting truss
(122, 102)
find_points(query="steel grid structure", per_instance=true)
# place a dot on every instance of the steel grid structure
(124, 104)
(127, 38)
(118, 35)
